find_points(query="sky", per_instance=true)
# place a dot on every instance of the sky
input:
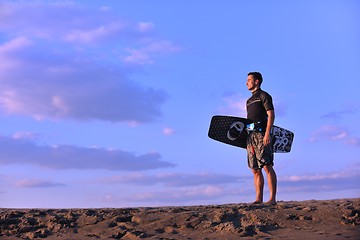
(108, 103)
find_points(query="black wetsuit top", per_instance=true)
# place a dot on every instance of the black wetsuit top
(257, 105)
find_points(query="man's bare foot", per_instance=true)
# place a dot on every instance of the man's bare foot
(257, 203)
(271, 203)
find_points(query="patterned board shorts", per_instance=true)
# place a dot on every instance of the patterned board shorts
(258, 154)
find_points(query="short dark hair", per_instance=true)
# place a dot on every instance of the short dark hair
(257, 76)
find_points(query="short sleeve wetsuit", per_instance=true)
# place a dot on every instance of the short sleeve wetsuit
(257, 106)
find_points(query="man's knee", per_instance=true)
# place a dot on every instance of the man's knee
(256, 171)
(268, 169)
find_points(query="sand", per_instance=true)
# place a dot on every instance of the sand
(330, 219)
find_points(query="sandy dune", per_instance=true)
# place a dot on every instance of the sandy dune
(331, 219)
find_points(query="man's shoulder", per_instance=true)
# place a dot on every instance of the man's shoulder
(263, 93)
(259, 94)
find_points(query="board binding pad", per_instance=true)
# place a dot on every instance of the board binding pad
(232, 130)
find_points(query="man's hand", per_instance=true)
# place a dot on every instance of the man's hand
(270, 122)
(267, 139)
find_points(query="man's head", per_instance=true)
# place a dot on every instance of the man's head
(254, 81)
(256, 76)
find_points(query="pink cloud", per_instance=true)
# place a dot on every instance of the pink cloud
(145, 26)
(138, 57)
(353, 141)
(162, 47)
(168, 131)
(235, 105)
(15, 44)
(25, 135)
(35, 183)
(334, 133)
(174, 179)
(95, 34)
(333, 181)
(67, 61)
(187, 194)
(199, 187)
(146, 54)
(71, 88)
(8, 51)
(22, 150)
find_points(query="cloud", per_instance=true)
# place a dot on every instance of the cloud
(335, 133)
(311, 183)
(174, 179)
(25, 135)
(180, 195)
(336, 115)
(70, 22)
(207, 188)
(78, 90)
(188, 195)
(340, 180)
(168, 131)
(143, 55)
(146, 26)
(24, 151)
(174, 187)
(35, 183)
(235, 104)
(66, 61)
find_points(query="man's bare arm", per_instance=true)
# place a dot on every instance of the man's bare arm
(270, 123)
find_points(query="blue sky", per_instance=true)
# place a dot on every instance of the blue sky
(108, 103)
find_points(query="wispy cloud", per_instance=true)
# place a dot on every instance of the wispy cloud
(144, 55)
(24, 151)
(70, 22)
(174, 179)
(207, 187)
(235, 105)
(340, 180)
(335, 115)
(168, 131)
(145, 26)
(335, 133)
(181, 195)
(25, 135)
(66, 61)
(36, 183)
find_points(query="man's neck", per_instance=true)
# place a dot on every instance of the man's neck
(255, 89)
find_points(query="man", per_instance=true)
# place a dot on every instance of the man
(260, 154)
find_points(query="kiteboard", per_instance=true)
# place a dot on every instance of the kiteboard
(234, 130)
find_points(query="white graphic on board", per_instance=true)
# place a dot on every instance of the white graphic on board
(280, 139)
(235, 129)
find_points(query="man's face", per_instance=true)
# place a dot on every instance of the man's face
(251, 83)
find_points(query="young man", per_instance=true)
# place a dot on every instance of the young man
(260, 154)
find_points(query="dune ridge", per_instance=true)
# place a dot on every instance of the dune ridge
(312, 219)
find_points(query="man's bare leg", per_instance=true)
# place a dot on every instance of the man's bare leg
(272, 182)
(259, 185)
